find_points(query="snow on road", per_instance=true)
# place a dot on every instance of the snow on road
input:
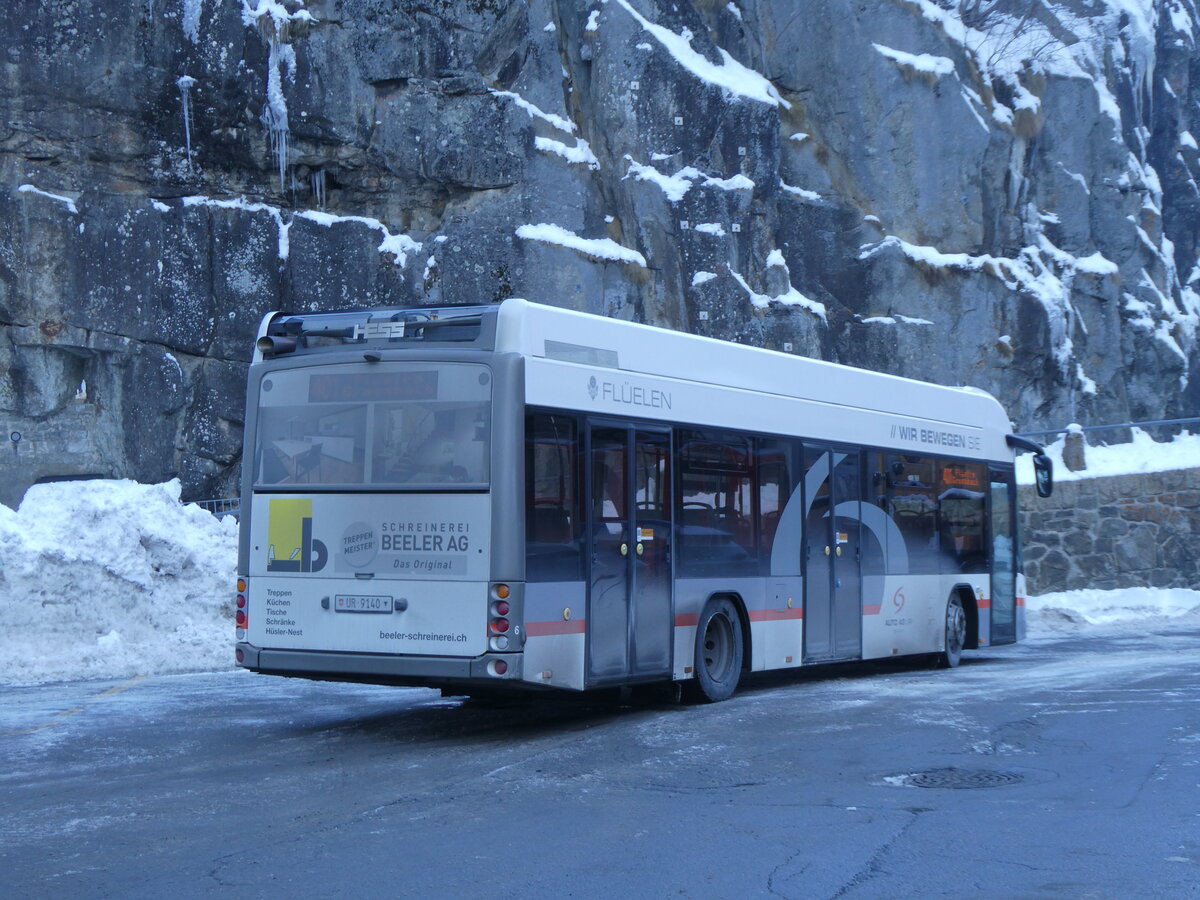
(111, 579)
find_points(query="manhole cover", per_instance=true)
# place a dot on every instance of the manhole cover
(957, 779)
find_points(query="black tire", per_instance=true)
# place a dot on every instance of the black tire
(718, 660)
(955, 634)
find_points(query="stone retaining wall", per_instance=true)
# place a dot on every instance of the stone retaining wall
(1122, 531)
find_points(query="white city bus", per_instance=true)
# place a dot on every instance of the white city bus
(518, 495)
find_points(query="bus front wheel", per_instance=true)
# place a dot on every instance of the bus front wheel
(956, 635)
(718, 652)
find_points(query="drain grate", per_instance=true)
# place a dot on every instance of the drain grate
(958, 779)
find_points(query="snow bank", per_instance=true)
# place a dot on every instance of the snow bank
(1091, 610)
(1143, 454)
(110, 579)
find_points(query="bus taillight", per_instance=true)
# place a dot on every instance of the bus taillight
(240, 617)
(499, 626)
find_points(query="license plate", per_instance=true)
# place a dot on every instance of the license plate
(356, 603)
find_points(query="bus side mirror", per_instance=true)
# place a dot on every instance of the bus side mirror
(1043, 473)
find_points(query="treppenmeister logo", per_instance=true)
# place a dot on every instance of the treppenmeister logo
(290, 544)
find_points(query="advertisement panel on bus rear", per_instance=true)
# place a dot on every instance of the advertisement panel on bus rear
(410, 536)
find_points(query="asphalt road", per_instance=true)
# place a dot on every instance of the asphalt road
(1056, 769)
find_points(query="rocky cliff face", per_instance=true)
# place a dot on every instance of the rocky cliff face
(1000, 193)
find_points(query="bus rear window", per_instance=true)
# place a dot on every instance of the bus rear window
(411, 425)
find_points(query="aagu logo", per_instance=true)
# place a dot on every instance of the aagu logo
(291, 546)
(593, 387)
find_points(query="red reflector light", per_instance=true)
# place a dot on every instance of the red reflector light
(239, 655)
(241, 601)
(502, 607)
(499, 626)
(500, 666)
(241, 619)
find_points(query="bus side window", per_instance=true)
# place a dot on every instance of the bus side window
(960, 525)
(774, 489)
(715, 518)
(553, 519)
(912, 495)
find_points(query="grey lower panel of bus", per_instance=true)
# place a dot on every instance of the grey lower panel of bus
(371, 665)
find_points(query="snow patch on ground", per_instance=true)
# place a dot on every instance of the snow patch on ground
(1092, 610)
(110, 579)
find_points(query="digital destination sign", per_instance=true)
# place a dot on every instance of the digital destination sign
(369, 386)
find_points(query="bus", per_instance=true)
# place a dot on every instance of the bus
(522, 496)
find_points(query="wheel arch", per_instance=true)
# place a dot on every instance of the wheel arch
(966, 596)
(743, 619)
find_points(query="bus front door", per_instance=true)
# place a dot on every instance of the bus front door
(629, 618)
(832, 541)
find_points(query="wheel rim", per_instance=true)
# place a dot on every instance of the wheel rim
(956, 629)
(718, 647)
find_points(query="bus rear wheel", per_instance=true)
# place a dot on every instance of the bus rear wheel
(718, 652)
(956, 635)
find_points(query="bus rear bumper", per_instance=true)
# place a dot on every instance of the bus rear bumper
(380, 668)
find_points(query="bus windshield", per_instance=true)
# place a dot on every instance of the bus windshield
(407, 425)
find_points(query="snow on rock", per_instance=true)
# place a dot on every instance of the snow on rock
(894, 319)
(799, 192)
(65, 201)
(731, 76)
(110, 579)
(399, 245)
(924, 63)
(535, 113)
(581, 153)
(597, 248)
(677, 185)
(789, 297)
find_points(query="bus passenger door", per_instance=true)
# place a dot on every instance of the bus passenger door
(1003, 618)
(832, 542)
(629, 618)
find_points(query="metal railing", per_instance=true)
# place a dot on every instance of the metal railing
(229, 506)
(1155, 423)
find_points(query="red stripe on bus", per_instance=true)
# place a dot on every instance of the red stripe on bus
(542, 629)
(1020, 601)
(684, 619)
(871, 609)
(984, 603)
(774, 615)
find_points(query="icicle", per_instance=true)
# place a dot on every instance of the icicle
(190, 20)
(318, 187)
(277, 26)
(185, 83)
